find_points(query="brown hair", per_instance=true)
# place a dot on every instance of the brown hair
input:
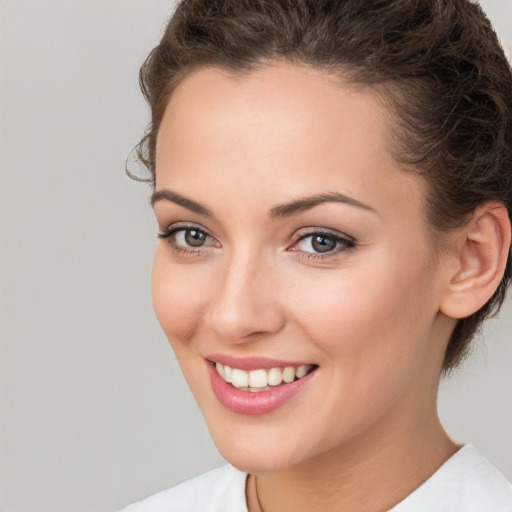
(438, 63)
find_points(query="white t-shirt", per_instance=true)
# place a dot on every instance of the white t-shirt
(467, 482)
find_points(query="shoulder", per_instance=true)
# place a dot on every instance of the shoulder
(219, 490)
(467, 482)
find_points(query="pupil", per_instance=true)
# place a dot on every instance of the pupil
(194, 238)
(323, 244)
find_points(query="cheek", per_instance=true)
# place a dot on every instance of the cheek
(368, 317)
(371, 330)
(179, 297)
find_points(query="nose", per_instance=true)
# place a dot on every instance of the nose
(246, 303)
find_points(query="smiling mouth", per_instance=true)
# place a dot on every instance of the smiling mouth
(262, 379)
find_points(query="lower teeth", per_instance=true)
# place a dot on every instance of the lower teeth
(256, 390)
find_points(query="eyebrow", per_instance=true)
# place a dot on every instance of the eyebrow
(169, 195)
(277, 212)
(306, 203)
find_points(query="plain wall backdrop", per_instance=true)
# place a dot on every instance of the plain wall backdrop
(94, 411)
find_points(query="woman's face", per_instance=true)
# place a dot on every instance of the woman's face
(290, 238)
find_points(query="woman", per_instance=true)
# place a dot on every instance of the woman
(332, 188)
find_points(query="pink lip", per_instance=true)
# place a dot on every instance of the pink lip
(262, 402)
(252, 363)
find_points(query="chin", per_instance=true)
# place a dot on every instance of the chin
(257, 461)
(257, 450)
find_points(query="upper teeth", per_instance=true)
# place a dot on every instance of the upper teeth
(259, 380)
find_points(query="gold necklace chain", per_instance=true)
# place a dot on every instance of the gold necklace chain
(253, 491)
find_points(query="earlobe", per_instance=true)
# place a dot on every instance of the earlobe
(481, 259)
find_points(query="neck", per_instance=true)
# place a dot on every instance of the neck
(371, 473)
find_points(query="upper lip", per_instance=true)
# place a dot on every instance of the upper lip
(253, 362)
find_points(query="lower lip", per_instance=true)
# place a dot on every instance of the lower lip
(261, 402)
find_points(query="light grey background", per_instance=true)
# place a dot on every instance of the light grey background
(94, 410)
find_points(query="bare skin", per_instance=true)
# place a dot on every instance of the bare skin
(348, 481)
(374, 313)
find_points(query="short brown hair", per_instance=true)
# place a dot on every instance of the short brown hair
(437, 62)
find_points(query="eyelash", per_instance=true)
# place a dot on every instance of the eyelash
(345, 243)
(169, 233)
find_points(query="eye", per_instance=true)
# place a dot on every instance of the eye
(190, 239)
(319, 244)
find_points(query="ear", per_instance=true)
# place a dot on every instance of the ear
(482, 253)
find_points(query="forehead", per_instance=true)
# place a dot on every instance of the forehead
(295, 128)
(274, 104)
